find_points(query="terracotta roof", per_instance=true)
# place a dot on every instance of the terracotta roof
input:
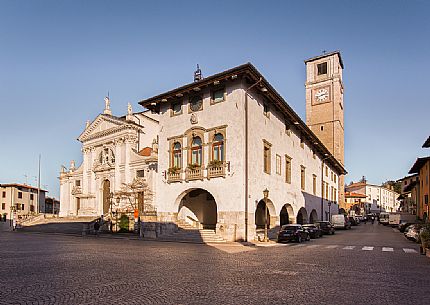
(21, 185)
(325, 55)
(354, 195)
(427, 143)
(254, 75)
(418, 164)
(145, 152)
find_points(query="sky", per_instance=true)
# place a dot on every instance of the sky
(59, 59)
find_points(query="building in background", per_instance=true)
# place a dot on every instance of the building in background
(21, 199)
(356, 202)
(421, 168)
(409, 196)
(378, 198)
(52, 206)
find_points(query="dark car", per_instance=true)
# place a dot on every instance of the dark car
(293, 232)
(353, 221)
(314, 230)
(326, 227)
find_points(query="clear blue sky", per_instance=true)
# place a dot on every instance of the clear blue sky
(58, 59)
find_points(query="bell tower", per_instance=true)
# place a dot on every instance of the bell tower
(324, 105)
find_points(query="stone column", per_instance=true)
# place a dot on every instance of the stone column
(130, 142)
(118, 160)
(85, 178)
(92, 180)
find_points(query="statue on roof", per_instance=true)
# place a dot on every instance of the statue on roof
(129, 109)
(107, 106)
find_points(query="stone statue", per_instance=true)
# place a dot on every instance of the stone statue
(107, 106)
(129, 109)
(72, 165)
(87, 124)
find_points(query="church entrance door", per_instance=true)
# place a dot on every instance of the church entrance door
(106, 196)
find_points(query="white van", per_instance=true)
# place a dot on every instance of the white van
(339, 221)
(384, 218)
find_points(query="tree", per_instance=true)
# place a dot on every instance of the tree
(395, 185)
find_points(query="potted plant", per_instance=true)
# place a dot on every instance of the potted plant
(193, 166)
(215, 163)
(173, 170)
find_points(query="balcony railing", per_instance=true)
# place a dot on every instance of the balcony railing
(174, 176)
(216, 170)
(194, 173)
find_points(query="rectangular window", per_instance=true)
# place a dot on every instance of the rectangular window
(323, 190)
(19, 194)
(266, 110)
(426, 199)
(4, 195)
(78, 182)
(22, 207)
(326, 171)
(218, 96)
(3, 206)
(176, 108)
(326, 191)
(335, 178)
(31, 208)
(314, 184)
(140, 173)
(267, 156)
(31, 197)
(302, 177)
(322, 68)
(278, 164)
(287, 169)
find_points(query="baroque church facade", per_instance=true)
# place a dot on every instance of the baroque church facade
(223, 153)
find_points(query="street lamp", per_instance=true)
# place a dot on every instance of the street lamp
(266, 195)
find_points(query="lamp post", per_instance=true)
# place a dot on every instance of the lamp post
(266, 195)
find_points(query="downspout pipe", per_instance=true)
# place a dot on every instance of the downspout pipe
(247, 157)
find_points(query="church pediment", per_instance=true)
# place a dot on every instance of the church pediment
(104, 125)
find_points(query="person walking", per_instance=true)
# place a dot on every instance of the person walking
(96, 228)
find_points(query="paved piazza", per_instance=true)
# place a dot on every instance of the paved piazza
(369, 264)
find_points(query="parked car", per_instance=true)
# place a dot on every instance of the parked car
(403, 225)
(353, 221)
(293, 232)
(413, 232)
(313, 229)
(326, 227)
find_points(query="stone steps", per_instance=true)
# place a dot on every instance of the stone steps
(188, 233)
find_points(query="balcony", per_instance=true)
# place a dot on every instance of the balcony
(174, 176)
(194, 173)
(216, 170)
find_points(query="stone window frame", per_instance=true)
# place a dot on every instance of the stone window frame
(211, 134)
(314, 184)
(176, 102)
(288, 166)
(321, 64)
(138, 171)
(267, 166)
(302, 177)
(172, 141)
(278, 165)
(216, 89)
(195, 132)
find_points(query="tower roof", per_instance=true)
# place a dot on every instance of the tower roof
(326, 55)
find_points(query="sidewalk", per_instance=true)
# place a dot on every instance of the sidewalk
(5, 227)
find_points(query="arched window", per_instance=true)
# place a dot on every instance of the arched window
(196, 151)
(177, 155)
(218, 148)
(106, 156)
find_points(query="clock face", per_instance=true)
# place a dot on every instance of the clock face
(196, 103)
(321, 95)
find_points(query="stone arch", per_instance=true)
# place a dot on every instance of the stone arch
(313, 217)
(198, 208)
(260, 217)
(286, 215)
(302, 216)
(106, 196)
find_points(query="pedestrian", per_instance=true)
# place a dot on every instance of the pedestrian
(373, 220)
(96, 228)
(14, 224)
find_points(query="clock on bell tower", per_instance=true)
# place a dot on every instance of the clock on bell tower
(324, 105)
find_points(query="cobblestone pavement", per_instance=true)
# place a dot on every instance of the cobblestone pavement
(54, 269)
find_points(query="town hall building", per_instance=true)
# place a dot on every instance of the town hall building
(223, 153)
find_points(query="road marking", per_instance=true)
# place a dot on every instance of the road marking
(387, 249)
(348, 248)
(313, 246)
(331, 247)
(409, 250)
(367, 248)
